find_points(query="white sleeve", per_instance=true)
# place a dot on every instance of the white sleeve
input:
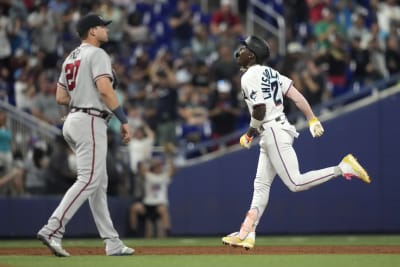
(285, 83)
(251, 85)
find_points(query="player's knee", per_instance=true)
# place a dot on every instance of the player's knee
(294, 188)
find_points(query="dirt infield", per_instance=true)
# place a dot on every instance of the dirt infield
(220, 250)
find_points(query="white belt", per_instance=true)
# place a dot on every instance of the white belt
(281, 119)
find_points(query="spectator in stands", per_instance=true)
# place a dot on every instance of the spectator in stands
(327, 29)
(5, 30)
(201, 80)
(225, 67)
(313, 82)
(374, 33)
(24, 90)
(223, 110)
(166, 97)
(6, 153)
(117, 167)
(140, 147)
(19, 35)
(296, 17)
(358, 29)
(315, 8)
(181, 23)
(377, 67)
(12, 182)
(61, 171)
(5, 84)
(44, 105)
(225, 23)
(359, 61)
(138, 77)
(135, 115)
(140, 151)
(137, 210)
(337, 59)
(138, 33)
(295, 61)
(202, 44)
(34, 167)
(191, 109)
(163, 63)
(195, 126)
(388, 14)
(392, 54)
(45, 27)
(157, 177)
(109, 11)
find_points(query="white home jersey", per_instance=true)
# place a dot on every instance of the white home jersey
(264, 85)
(79, 73)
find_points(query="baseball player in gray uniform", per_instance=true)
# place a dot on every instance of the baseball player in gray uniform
(263, 90)
(85, 85)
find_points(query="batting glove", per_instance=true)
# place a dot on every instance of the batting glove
(245, 141)
(316, 128)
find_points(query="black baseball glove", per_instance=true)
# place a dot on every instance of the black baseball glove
(115, 81)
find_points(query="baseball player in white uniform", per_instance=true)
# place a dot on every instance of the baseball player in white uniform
(263, 90)
(85, 85)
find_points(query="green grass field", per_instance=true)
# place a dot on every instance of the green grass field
(305, 260)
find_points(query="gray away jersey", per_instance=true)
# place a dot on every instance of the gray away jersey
(264, 85)
(79, 73)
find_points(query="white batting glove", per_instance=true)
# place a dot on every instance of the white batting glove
(245, 141)
(316, 128)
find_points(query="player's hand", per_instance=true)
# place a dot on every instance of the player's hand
(245, 141)
(126, 134)
(316, 128)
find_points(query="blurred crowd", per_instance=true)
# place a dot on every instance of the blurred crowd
(178, 79)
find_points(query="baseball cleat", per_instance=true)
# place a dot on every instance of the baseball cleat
(233, 240)
(350, 167)
(54, 246)
(125, 251)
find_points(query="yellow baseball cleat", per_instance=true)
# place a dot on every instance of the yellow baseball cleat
(350, 167)
(234, 240)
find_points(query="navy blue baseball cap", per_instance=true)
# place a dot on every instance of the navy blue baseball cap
(90, 21)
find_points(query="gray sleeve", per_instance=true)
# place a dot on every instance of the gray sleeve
(61, 80)
(101, 65)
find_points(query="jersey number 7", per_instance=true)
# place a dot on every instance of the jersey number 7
(71, 71)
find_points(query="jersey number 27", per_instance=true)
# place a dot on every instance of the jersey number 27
(71, 71)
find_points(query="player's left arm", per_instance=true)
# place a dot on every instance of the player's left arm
(302, 104)
(62, 96)
(109, 97)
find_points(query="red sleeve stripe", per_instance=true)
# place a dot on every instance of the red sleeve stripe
(61, 85)
(102, 75)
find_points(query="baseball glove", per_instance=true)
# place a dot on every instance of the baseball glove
(115, 81)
